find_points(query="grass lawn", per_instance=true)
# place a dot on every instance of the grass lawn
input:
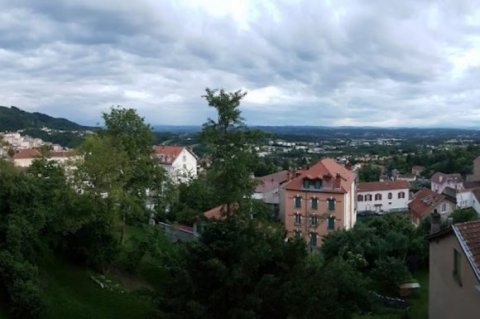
(419, 308)
(69, 292)
(419, 303)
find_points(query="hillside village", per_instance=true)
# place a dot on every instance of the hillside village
(314, 203)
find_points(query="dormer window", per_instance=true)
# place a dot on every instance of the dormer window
(312, 183)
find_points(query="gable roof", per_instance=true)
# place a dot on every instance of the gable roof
(468, 234)
(327, 169)
(440, 178)
(424, 201)
(168, 154)
(27, 154)
(382, 186)
(271, 181)
(218, 212)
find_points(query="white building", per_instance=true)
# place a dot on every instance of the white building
(440, 180)
(388, 196)
(179, 161)
(469, 197)
(25, 157)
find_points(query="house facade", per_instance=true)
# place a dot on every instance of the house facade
(425, 202)
(317, 201)
(387, 196)
(454, 274)
(180, 162)
(440, 180)
(25, 157)
(268, 189)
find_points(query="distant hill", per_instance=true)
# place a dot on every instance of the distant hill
(177, 128)
(13, 119)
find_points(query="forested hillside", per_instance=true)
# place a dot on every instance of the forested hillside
(13, 119)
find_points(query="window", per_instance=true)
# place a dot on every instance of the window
(331, 223)
(306, 183)
(360, 198)
(314, 203)
(297, 234)
(313, 239)
(390, 196)
(378, 196)
(298, 219)
(314, 220)
(331, 204)
(368, 198)
(297, 202)
(316, 184)
(401, 195)
(444, 207)
(184, 158)
(457, 270)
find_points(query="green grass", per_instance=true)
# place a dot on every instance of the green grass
(418, 308)
(69, 292)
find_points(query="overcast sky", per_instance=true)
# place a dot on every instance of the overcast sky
(376, 63)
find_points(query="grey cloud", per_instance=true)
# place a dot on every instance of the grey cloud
(330, 62)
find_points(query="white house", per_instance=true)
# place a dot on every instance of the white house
(469, 198)
(179, 161)
(25, 157)
(440, 180)
(387, 196)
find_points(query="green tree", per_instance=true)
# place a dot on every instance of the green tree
(377, 246)
(22, 219)
(118, 167)
(464, 215)
(231, 147)
(369, 173)
(236, 270)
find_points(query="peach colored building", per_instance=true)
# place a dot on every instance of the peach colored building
(318, 201)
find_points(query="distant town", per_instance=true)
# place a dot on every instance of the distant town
(314, 187)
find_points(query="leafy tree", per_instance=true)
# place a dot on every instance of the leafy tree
(377, 246)
(369, 173)
(118, 167)
(233, 270)
(327, 290)
(22, 219)
(194, 198)
(231, 147)
(464, 215)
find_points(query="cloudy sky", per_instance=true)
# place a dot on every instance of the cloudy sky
(373, 62)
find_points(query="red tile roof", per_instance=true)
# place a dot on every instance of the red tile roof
(441, 178)
(423, 201)
(271, 181)
(336, 176)
(27, 154)
(167, 154)
(468, 235)
(382, 186)
(218, 212)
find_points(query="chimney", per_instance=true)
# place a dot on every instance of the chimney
(338, 180)
(435, 222)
